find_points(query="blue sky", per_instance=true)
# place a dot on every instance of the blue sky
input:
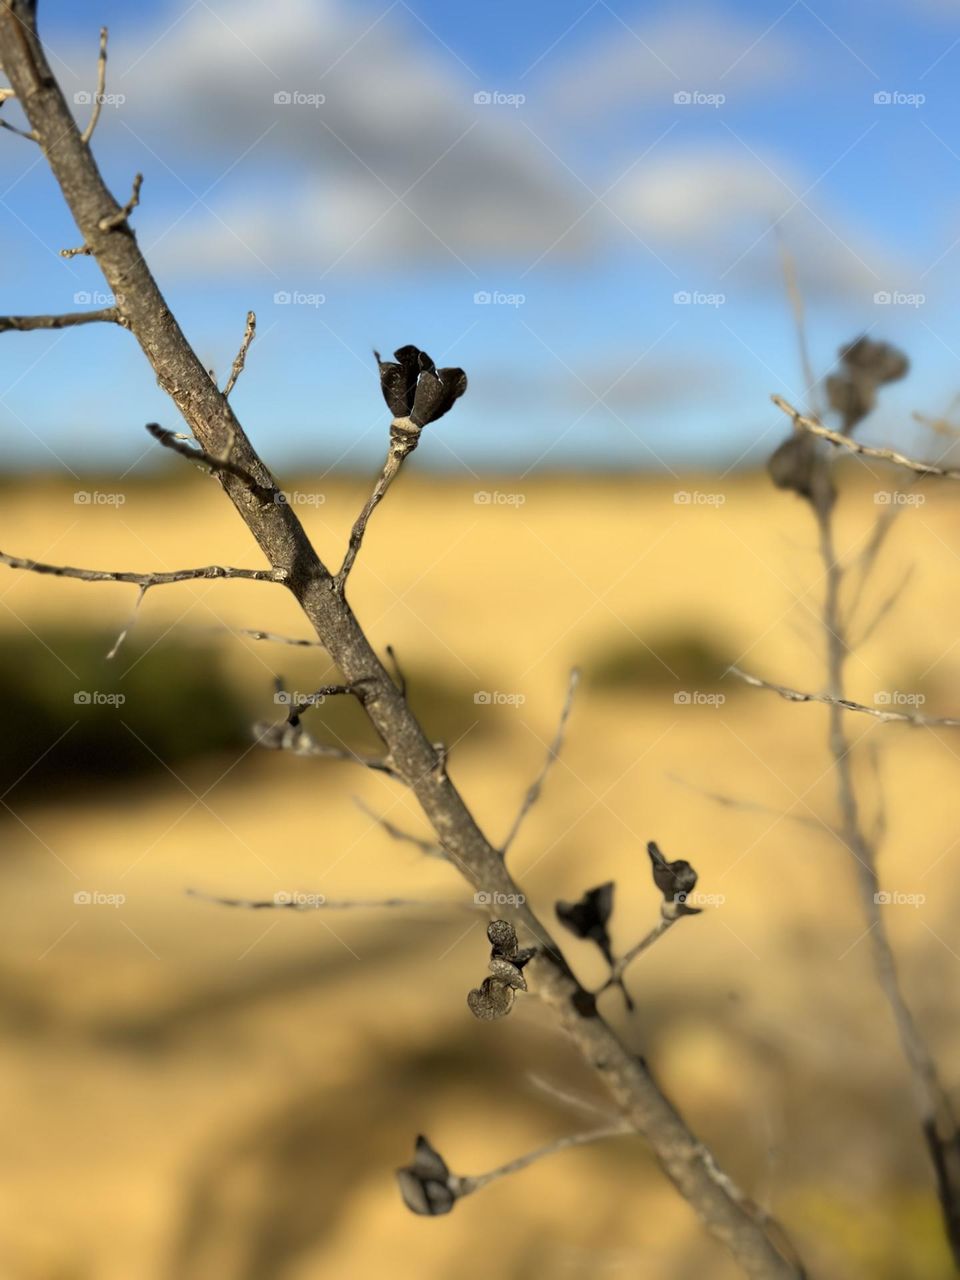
(582, 198)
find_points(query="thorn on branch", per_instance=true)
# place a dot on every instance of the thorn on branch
(399, 678)
(495, 996)
(101, 88)
(118, 219)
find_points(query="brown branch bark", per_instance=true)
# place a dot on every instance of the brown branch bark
(721, 1207)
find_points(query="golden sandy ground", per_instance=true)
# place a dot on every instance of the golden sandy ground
(194, 1092)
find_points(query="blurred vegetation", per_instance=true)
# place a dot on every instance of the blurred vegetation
(676, 658)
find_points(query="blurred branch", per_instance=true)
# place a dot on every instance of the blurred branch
(428, 847)
(467, 1185)
(847, 704)
(107, 315)
(751, 806)
(101, 88)
(317, 902)
(842, 441)
(553, 751)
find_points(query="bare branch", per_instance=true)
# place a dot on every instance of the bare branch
(620, 966)
(21, 324)
(278, 639)
(286, 901)
(240, 361)
(142, 579)
(83, 251)
(404, 438)
(467, 1185)
(292, 737)
(816, 428)
(114, 220)
(568, 1098)
(847, 704)
(101, 87)
(536, 787)
(179, 444)
(885, 607)
(31, 136)
(428, 847)
(752, 806)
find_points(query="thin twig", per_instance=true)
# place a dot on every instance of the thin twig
(404, 437)
(101, 87)
(847, 704)
(115, 649)
(172, 440)
(751, 806)
(22, 324)
(619, 968)
(400, 678)
(296, 901)
(118, 219)
(278, 639)
(467, 1185)
(428, 847)
(568, 1098)
(789, 266)
(284, 736)
(239, 362)
(532, 794)
(816, 428)
(142, 579)
(885, 607)
(84, 250)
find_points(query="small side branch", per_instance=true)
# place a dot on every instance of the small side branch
(428, 847)
(292, 737)
(118, 219)
(536, 787)
(22, 324)
(101, 87)
(842, 441)
(287, 901)
(404, 438)
(248, 335)
(798, 695)
(278, 639)
(141, 579)
(172, 440)
(471, 1183)
(620, 967)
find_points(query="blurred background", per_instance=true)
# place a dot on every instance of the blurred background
(586, 207)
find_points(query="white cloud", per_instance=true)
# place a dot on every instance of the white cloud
(648, 60)
(398, 120)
